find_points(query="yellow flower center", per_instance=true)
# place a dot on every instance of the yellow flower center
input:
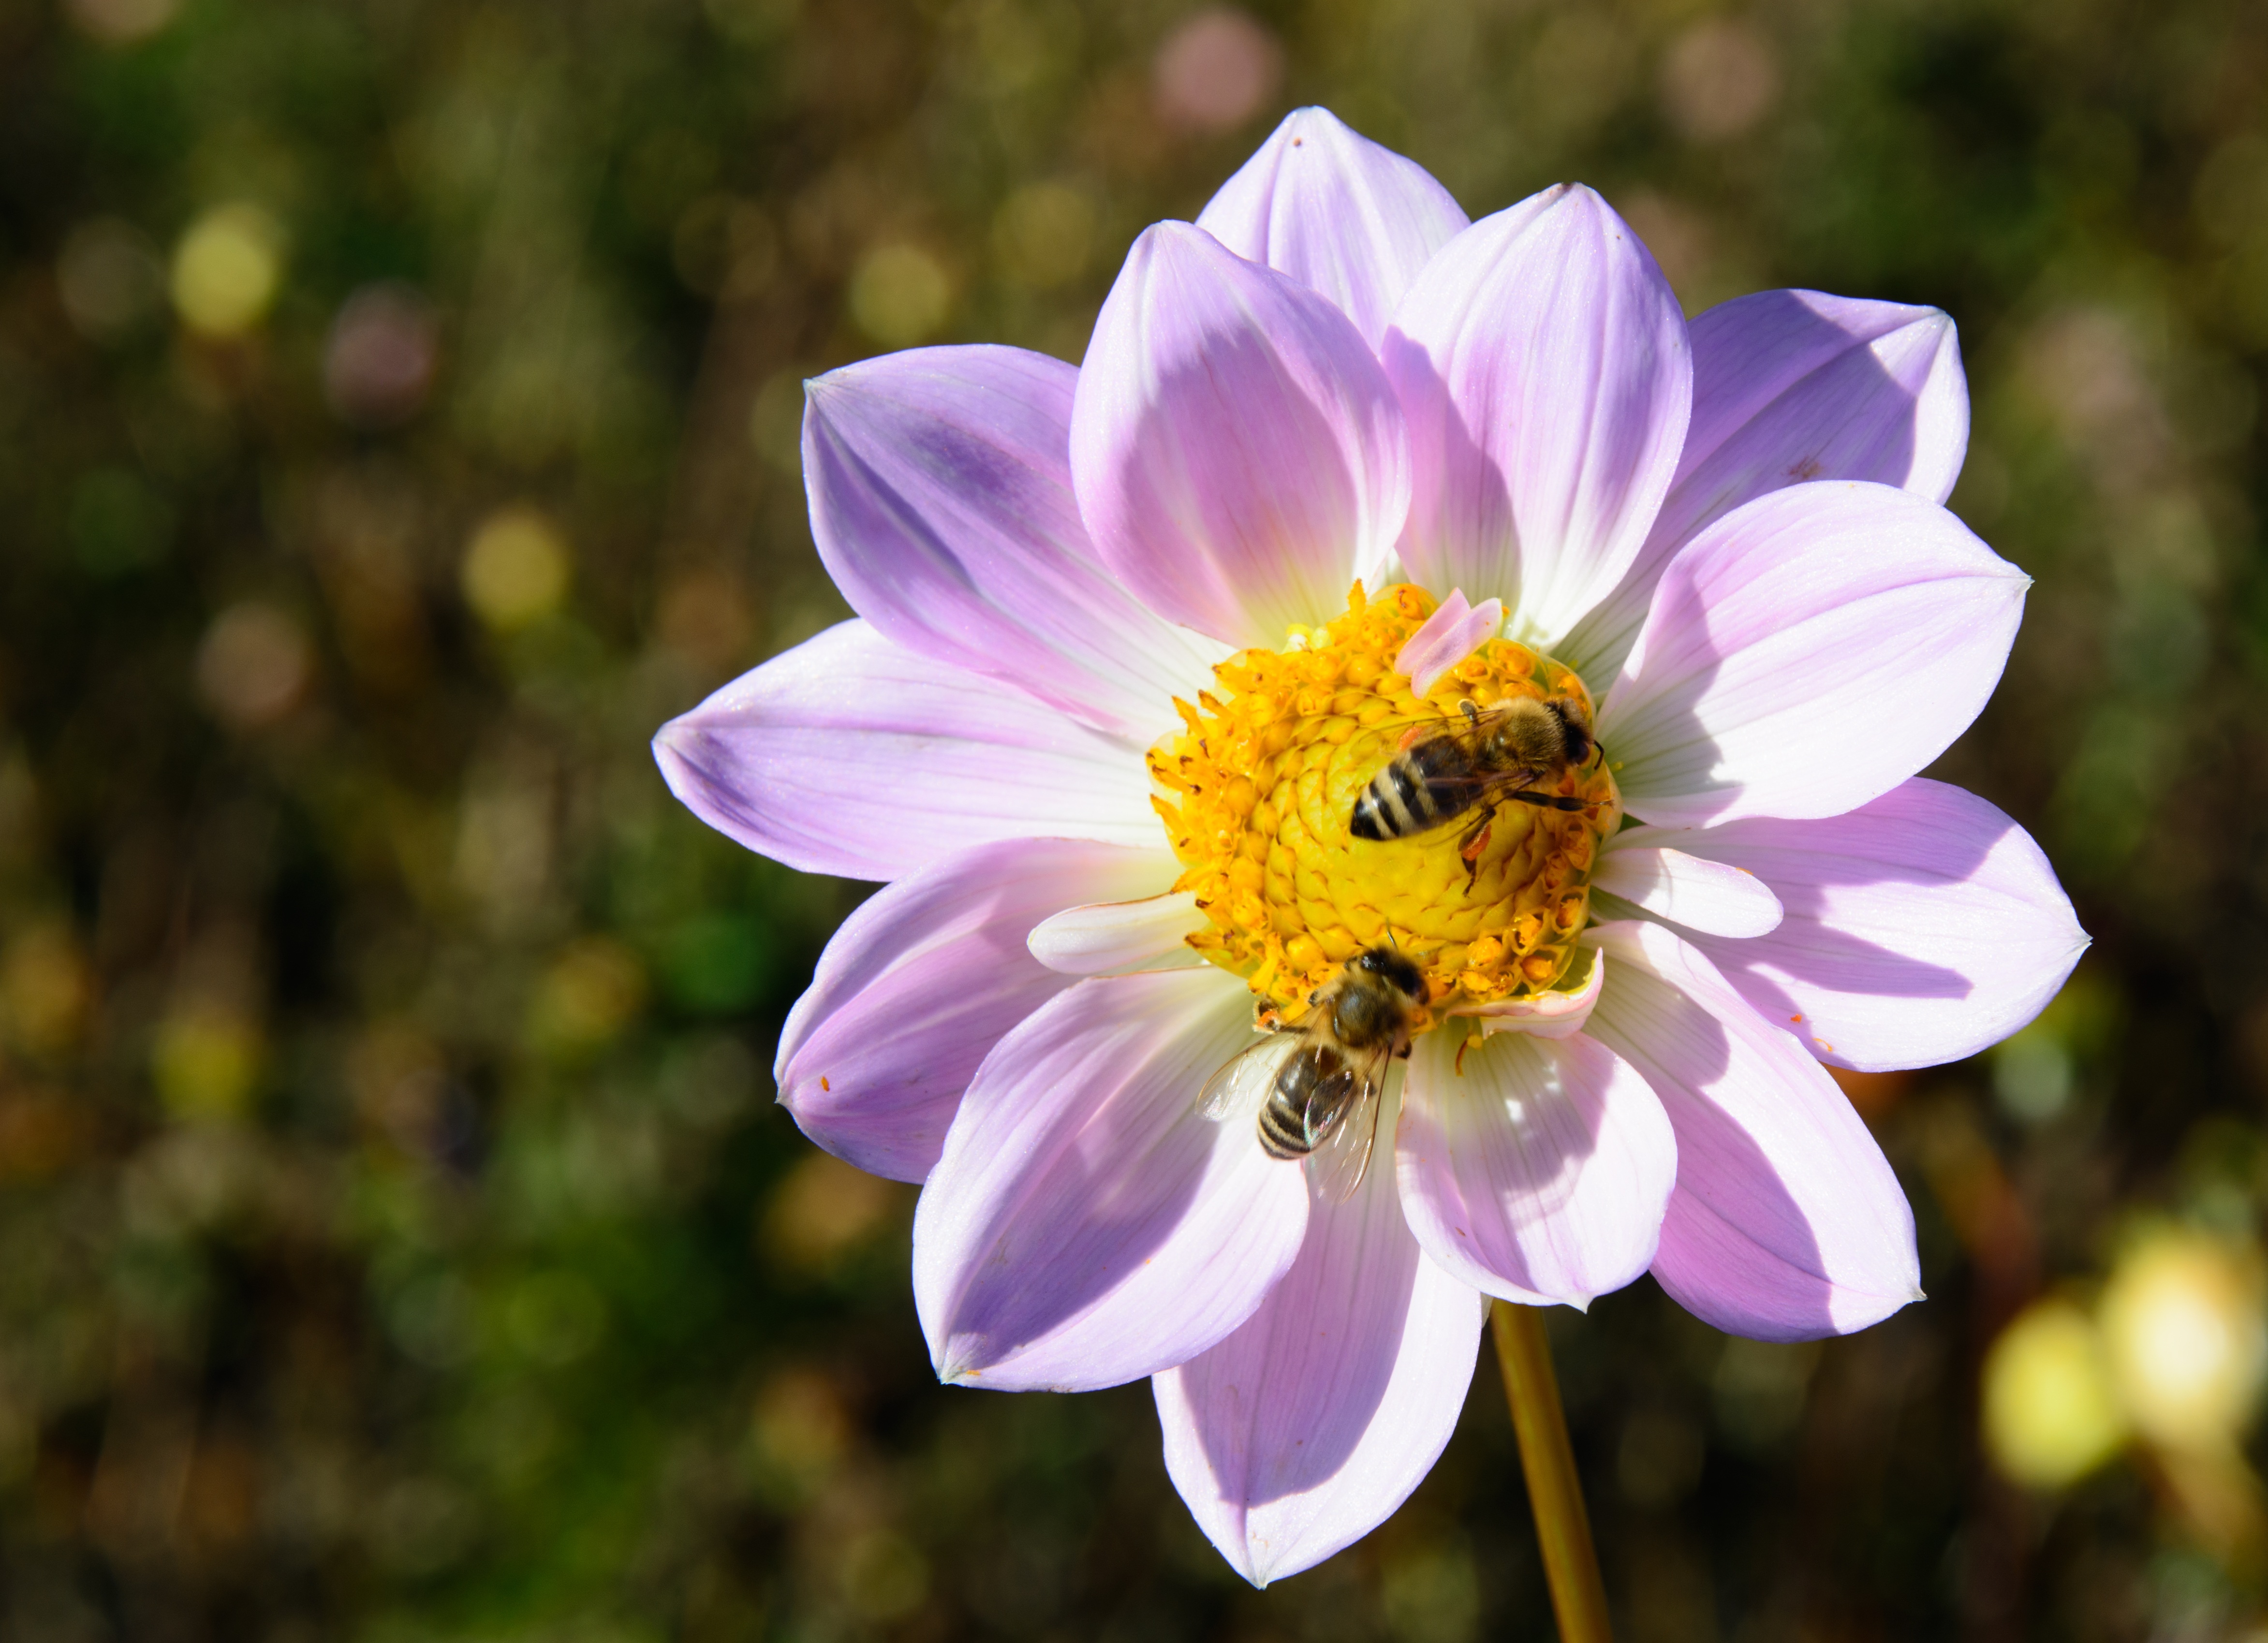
(1258, 793)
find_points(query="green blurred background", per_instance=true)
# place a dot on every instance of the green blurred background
(397, 403)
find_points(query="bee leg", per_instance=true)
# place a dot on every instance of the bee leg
(1472, 714)
(1472, 846)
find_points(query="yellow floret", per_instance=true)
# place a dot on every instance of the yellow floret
(1257, 793)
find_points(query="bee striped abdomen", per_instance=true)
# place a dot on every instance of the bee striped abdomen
(1418, 790)
(1311, 1089)
(1283, 1129)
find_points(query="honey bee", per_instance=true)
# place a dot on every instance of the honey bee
(1320, 1101)
(1444, 770)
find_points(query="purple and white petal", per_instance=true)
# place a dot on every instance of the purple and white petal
(1537, 1169)
(1336, 212)
(1543, 364)
(920, 982)
(1085, 1226)
(1808, 654)
(1640, 866)
(1789, 386)
(1238, 454)
(1304, 1429)
(941, 502)
(1787, 1223)
(1921, 928)
(1121, 938)
(852, 756)
(1453, 632)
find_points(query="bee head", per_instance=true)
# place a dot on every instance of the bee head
(1388, 965)
(1574, 727)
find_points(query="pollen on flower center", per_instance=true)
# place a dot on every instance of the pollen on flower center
(1258, 791)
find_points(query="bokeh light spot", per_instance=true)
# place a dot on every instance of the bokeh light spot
(1721, 77)
(206, 1062)
(46, 989)
(592, 991)
(121, 22)
(109, 277)
(2182, 1316)
(516, 570)
(798, 1430)
(883, 1575)
(253, 665)
(901, 294)
(1043, 233)
(823, 1211)
(227, 268)
(2051, 1414)
(380, 359)
(1216, 71)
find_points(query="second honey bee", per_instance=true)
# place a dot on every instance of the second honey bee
(1447, 770)
(1321, 1101)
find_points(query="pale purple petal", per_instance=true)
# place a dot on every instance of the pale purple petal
(1238, 454)
(920, 982)
(1809, 653)
(1921, 928)
(1086, 1226)
(1452, 633)
(1537, 1170)
(1543, 364)
(1789, 386)
(1337, 213)
(852, 756)
(941, 503)
(1695, 891)
(1120, 938)
(1304, 1430)
(1786, 1223)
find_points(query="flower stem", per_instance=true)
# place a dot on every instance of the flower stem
(1578, 1596)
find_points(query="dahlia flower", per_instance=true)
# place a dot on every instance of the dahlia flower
(1132, 638)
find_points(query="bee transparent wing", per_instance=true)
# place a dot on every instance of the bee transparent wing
(1479, 785)
(1240, 1083)
(1374, 747)
(1339, 1163)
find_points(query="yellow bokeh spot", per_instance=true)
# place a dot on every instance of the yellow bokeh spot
(592, 990)
(1259, 791)
(2051, 1415)
(823, 1210)
(900, 294)
(45, 989)
(516, 569)
(799, 1430)
(2181, 1317)
(206, 1064)
(1043, 233)
(227, 268)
